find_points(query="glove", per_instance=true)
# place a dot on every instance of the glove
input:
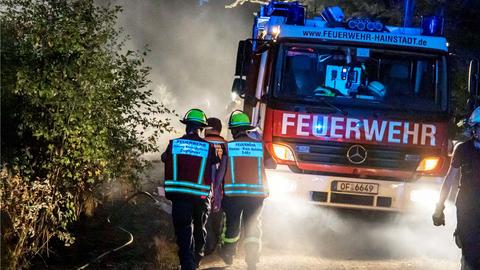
(438, 216)
(217, 200)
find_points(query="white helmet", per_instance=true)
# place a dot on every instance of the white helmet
(474, 118)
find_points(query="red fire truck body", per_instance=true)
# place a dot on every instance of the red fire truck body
(353, 118)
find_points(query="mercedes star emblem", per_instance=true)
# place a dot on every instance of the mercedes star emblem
(357, 154)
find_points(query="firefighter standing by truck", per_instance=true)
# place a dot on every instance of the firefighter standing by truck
(189, 167)
(466, 164)
(214, 223)
(244, 189)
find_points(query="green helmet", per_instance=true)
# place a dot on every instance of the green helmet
(239, 119)
(195, 116)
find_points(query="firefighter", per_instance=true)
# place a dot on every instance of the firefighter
(190, 162)
(212, 135)
(214, 223)
(466, 165)
(244, 189)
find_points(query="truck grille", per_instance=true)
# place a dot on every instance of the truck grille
(335, 153)
(342, 198)
(352, 199)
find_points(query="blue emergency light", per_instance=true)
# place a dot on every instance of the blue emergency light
(333, 16)
(365, 24)
(433, 25)
(294, 12)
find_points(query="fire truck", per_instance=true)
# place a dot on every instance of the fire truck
(354, 112)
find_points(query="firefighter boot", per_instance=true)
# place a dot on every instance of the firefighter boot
(252, 252)
(226, 257)
(198, 260)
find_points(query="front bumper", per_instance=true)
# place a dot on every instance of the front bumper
(398, 196)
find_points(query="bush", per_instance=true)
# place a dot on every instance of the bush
(74, 108)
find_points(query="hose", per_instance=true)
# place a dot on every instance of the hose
(130, 235)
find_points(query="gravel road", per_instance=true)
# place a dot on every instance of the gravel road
(329, 239)
(277, 261)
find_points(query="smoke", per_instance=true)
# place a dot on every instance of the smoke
(344, 235)
(193, 47)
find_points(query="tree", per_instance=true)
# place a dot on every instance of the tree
(74, 111)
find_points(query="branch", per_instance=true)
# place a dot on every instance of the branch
(241, 2)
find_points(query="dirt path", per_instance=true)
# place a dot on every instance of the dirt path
(339, 240)
(302, 262)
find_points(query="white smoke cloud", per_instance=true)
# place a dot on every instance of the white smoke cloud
(193, 46)
(162, 94)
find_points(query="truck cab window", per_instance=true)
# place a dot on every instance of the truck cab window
(363, 75)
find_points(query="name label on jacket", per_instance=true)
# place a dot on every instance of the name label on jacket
(190, 147)
(245, 149)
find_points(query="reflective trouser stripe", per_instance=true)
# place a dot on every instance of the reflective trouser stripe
(224, 238)
(254, 240)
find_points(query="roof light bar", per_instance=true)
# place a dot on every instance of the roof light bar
(333, 16)
(294, 12)
(433, 26)
(365, 24)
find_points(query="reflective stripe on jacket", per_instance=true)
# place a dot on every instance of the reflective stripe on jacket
(187, 168)
(245, 175)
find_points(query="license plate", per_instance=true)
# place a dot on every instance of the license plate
(355, 187)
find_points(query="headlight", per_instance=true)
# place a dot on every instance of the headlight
(424, 196)
(283, 152)
(428, 164)
(280, 187)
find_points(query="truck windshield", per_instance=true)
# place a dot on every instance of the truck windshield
(362, 76)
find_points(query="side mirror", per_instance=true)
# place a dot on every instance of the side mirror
(473, 78)
(244, 56)
(238, 87)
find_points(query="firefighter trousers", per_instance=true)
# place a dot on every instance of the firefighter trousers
(189, 218)
(242, 211)
(468, 233)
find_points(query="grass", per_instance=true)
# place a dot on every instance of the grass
(153, 246)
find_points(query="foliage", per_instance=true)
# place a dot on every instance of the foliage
(74, 112)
